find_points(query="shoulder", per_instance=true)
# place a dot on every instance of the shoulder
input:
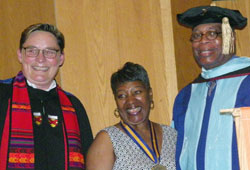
(169, 130)
(5, 88)
(105, 134)
(75, 102)
(72, 97)
(101, 146)
(110, 129)
(169, 135)
(6, 81)
(243, 97)
(166, 130)
(182, 100)
(101, 142)
(184, 92)
(113, 132)
(102, 137)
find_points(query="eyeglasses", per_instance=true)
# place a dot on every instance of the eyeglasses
(34, 52)
(210, 35)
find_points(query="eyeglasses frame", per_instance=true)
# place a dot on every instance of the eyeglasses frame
(206, 35)
(43, 50)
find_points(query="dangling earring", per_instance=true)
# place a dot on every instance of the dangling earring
(116, 113)
(152, 105)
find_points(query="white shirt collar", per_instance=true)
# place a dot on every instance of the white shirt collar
(52, 85)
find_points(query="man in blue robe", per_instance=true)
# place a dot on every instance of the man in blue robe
(207, 139)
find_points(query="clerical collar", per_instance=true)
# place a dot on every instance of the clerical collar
(52, 85)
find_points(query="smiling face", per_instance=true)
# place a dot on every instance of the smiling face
(133, 100)
(40, 70)
(208, 53)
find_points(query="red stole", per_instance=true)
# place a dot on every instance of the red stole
(17, 145)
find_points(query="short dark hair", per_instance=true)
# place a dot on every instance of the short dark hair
(42, 27)
(129, 72)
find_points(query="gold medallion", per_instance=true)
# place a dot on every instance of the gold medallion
(159, 167)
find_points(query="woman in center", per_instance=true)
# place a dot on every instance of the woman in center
(136, 143)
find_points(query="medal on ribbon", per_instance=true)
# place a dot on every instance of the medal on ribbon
(37, 118)
(159, 167)
(154, 154)
(53, 120)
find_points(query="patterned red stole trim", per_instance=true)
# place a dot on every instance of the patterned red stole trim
(21, 142)
(21, 146)
(5, 141)
(76, 159)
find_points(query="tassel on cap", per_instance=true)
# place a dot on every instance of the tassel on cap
(227, 37)
(213, 4)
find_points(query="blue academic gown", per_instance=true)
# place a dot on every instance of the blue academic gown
(207, 139)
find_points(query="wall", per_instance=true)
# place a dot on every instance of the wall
(101, 36)
(16, 15)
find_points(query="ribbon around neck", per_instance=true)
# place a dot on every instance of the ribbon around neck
(151, 154)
